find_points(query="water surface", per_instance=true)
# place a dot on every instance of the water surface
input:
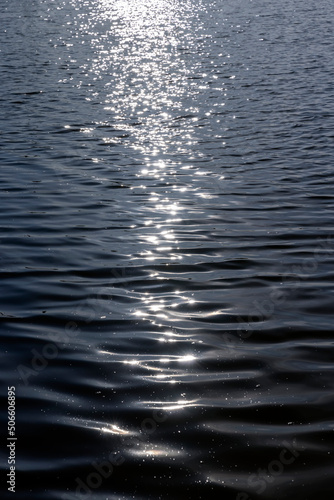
(167, 248)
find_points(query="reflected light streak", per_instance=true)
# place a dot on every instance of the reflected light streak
(154, 363)
(145, 58)
(114, 429)
(166, 359)
(157, 452)
(172, 405)
(145, 81)
(105, 428)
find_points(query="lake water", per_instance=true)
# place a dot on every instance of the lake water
(167, 248)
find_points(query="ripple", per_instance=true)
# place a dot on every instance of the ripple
(167, 248)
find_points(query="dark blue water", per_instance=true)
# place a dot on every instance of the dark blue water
(167, 248)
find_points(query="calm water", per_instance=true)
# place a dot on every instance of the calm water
(167, 248)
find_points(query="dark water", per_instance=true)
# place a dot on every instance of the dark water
(167, 248)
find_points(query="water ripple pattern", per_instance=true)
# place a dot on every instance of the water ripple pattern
(167, 248)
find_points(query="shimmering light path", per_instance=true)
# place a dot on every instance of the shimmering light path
(166, 175)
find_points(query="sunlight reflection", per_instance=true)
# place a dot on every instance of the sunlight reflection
(104, 427)
(154, 307)
(147, 35)
(166, 359)
(150, 451)
(180, 404)
(114, 429)
(150, 110)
